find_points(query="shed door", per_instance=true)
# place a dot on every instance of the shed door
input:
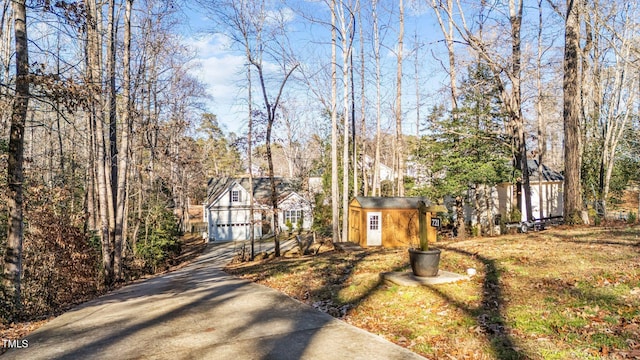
(374, 229)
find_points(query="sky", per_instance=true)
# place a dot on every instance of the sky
(220, 65)
(220, 69)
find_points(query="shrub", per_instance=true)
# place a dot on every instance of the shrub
(515, 215)
(322, 218)
(60, 266)
(289, 225)
(593, 215)
(476, 230)
(631, 219)
(158, 241)
(300, 224)
(573, 218)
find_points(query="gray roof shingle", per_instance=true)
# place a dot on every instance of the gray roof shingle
(261, 187)
(370, 202)
(547, 173)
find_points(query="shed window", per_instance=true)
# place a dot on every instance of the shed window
(374, 222)
(235, 196)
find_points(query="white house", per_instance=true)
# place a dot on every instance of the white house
(485, 202)
(386, 172)
(227, 210)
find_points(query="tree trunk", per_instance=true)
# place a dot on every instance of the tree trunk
(354, 147)
(252, 234)
(542, 125)
(335, 211)
(346, 54)
(515, 15)
(122, 170)
(97, 119)
(571, 115)
(6, 51)
(460, 223)
(274, 194)
(363, 99)
(376, 50)
(417, 83)
(447, 31)
(12, 262)
(271, 117)
(399, 138)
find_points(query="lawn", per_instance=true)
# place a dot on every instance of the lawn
(557, 294)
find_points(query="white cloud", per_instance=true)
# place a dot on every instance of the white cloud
(221, 70)
(281, 16)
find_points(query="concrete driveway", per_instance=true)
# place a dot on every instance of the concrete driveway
(200, 312)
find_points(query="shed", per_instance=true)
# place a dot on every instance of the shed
(384, 221)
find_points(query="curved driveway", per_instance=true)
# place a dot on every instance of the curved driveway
(200, 312)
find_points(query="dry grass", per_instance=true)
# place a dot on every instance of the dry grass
(557, 294)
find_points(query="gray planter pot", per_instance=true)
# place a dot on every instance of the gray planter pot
(424, 263)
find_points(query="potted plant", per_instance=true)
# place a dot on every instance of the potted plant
(424, 261)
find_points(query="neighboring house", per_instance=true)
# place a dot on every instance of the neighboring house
(384, 221)
(315, 185)
(386, 172)
(227, 210)
(485, 202)
(547, 192)
(421, 174)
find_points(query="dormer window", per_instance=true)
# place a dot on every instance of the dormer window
(235, 196)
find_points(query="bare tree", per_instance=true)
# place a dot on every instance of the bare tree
(447, 31)
(363, 100)
(508, 76)
(248, 21)
(124, 159)
(6, 38)
(542, 126)
(252, 235)
(335, 210)
(96, 119)
(399, 138)
(346, 20)
(291, 141)
(376, 51)
(12, 259)
(609, 86)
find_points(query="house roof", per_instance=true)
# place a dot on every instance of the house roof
(547, 173)
(261, 187)
(370, 202)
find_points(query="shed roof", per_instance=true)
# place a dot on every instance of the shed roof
(370, 202)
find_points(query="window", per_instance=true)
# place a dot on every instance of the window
(235, 196)
(374, 222)
(294, 216)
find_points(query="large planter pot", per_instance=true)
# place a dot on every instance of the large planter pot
(424, 263)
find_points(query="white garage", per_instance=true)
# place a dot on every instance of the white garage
(227, 210)
(229, 232)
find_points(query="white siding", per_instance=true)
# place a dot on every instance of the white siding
(486, 202)
(224, 199)
(295, 202)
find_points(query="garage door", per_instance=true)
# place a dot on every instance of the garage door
(234, 231)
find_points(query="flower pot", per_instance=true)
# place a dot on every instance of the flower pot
(424, 263)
